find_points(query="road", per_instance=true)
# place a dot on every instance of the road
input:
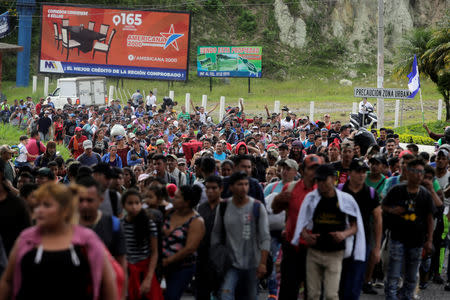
(433, 292)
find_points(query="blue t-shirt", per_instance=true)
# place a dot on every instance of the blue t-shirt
(220, 157)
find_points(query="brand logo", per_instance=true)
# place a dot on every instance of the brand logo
(131, 57)
(50, 65)
(164, 40)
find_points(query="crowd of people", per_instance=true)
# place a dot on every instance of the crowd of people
(155, 202)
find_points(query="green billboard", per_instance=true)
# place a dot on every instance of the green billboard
(229, 61)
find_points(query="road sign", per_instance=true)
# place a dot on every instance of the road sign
(362, 92)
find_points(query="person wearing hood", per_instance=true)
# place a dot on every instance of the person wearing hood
(296, 152)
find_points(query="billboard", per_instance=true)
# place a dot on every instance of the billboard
(224, 61)
(114, 42)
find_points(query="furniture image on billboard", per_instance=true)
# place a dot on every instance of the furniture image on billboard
(84, 36)
(58, 36)
(68, 44)
(65, 22)
(91, 25)
(104, 30)
(104, 47)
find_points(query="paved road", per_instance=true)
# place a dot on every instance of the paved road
(433, 292)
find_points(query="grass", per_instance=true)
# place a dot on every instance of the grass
(10, 135)
(319, 84)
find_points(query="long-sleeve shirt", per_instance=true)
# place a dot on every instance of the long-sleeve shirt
(244, 238)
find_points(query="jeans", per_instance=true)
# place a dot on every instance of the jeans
(239, 284)
(272, 282)
(352, 277)
(399, 254)
(293, 271)
(177, 282)
(44, 137)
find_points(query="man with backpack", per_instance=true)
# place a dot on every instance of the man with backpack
(241, 225)
(107, 227)
(353, 272)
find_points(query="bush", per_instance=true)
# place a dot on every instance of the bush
(247, 22)
(416, 139)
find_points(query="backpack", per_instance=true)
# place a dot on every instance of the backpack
(118, 271)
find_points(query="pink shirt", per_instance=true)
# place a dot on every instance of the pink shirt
(32, 148)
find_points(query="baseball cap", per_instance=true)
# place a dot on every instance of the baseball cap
(358, 165)
(181, 161)
(143, 177)
(312, 160)
(404, 152)
(290, 163)
(323, 171)
(159, 142)
(45, 172)
(380, 158)
(131, 135)
(87, 144)
(78, 129)
(119, 138)
(172, 156)
(441, 151)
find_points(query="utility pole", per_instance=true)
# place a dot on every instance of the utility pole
(380, 62)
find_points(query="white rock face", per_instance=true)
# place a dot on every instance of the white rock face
(292, 30)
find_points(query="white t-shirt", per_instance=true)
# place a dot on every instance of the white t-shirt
(286, 124)
(443, 182)
(364, 107)
(22, 153)
(151, 100)
(203, 117)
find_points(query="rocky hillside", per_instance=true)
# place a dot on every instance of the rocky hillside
(295, 34)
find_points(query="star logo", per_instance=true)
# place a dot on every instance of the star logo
(171, 38)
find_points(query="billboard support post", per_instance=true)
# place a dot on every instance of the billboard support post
(276, 107)
(25, 9)
(172, 95)
(210, 84)
(249, 85)
(111, 94)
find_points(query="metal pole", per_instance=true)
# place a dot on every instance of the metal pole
(210, 84)
(249, 85)
(380, 62)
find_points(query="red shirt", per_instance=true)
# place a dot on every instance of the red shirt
(33, 149)
(38, 108)
(77, 152)
(298, 194)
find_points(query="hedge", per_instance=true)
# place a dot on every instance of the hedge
(416, 139)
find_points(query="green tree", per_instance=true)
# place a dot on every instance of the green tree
(432, 48)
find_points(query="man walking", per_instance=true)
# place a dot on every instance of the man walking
(409, 214)
(247, 240)
(327, 221)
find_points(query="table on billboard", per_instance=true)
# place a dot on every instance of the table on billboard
(114, 42)
(220, 61)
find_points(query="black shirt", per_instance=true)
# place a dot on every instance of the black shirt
(328, 218)
(410, 228)
(14, 218)
(113, 238)
(208, 216)
(366, 205)
(44, 124)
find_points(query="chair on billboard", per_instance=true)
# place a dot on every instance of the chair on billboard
(91, 25)
(68, 44)
(65, 22)
(104, 47)
(103, 30)
(58, 36)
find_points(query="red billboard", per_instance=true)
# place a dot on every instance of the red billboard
(114, 42)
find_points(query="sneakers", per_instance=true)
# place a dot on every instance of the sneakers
(447, 286)
(272, 297)
(423, 285)
(378, 284)
(368, 289)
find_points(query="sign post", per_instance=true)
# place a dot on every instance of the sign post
(221, 108)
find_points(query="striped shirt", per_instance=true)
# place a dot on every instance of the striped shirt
(136, 253)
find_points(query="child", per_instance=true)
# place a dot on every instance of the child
(22, 159)
(141, 238)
